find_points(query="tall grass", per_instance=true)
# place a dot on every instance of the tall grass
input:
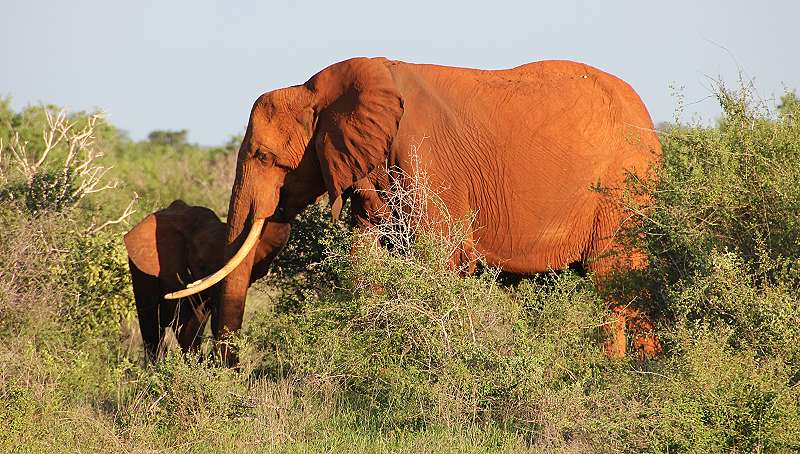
(392, 350)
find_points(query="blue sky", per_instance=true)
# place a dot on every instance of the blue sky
(199, 65)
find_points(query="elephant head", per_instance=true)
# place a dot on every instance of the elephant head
(173, 246)
(300, 143)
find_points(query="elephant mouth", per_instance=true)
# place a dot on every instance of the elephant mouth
(208, 281)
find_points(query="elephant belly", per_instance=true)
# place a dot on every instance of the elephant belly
(530, 216)
(526, 243)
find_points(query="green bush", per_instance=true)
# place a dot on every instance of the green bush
(714, 398)
(762, 317)
(302, 264)
(98, 291)
(46, 241)
(731, 188)
(86, 274)
(723, 237)
(723, 233)
(390, 350)
(413, 344)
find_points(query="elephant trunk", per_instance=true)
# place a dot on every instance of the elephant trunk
(247, 212)
(227, 316)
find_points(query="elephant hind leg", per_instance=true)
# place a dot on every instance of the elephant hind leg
(608, 257)
(645, 343)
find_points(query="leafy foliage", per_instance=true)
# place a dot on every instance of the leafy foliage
(724, 231)
(362, 348)
(169, 138)
(730, 188)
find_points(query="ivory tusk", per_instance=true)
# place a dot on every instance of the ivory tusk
(208, 281)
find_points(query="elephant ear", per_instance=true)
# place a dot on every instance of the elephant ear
(158, 244)
(357, 122)
(142, 246)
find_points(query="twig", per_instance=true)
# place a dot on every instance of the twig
(129, 210)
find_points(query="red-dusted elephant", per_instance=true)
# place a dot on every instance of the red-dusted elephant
(172, 247)
(537, 151)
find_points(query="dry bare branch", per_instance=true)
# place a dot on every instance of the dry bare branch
(413, 207)
(129, 210)
(80, 174)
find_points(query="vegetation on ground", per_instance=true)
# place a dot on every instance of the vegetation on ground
(389, 350)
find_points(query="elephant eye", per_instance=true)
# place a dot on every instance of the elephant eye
(265, 157)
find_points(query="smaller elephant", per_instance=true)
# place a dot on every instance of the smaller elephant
(172, 247)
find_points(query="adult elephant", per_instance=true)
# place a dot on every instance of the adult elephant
(534, 151)
(173, 246)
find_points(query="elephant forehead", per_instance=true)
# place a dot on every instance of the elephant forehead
(274, 127)
(272, 110)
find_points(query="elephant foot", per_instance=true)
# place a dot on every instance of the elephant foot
(647, 346)
(645, 343)
(615, 344)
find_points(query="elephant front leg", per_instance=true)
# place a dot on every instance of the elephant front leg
(192, 322)
(465, 257)
(147, 293)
